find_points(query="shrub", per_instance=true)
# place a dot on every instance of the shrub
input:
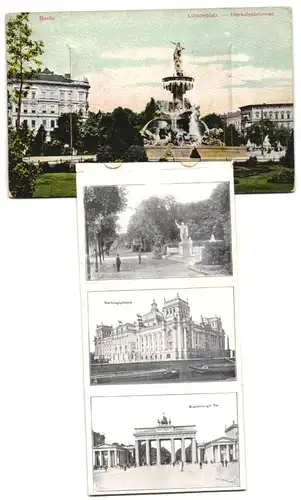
(252, 162)
(135, 154)
(284, 175)
(105, 154)
(61, 167)
(23, 179)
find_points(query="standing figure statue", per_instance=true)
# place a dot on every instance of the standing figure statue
(183, 231)
(177, 57)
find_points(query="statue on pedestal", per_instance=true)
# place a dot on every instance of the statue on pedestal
(183, 231)
(177, 57)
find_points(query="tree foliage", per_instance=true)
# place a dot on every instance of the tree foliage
(23, 57)
(102, 206)
(154, 219)
(135, 154)
(22, 176)
(39, 145)
(62, 133)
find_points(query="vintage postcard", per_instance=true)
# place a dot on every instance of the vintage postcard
(166, 443)
(157, 336)
(158, 273)
(150, 85)
(142, 230)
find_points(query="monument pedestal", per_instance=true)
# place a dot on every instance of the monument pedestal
(184, 248)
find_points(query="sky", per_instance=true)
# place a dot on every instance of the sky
(202, 301)
(183, 193)
(217, 411)
(126, 54)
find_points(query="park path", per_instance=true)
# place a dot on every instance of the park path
(149, 268)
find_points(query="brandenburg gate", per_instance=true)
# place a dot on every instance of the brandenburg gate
(177, 435)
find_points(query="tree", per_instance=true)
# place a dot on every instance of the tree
(102, 205)
(148, 114)
(39, 142)
(105, 154)
(289, 157)
(23, 58)
(61, 134)
(92, 132)
(153, 222)
(135, 154)
(22, 176)
(213, 120)
(259, 130)
(232, 136)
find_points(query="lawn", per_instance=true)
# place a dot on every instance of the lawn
(56, 185)
(260, 183)
(60, 185)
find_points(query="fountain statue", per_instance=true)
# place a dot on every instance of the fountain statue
(177, 122)
(177, 57)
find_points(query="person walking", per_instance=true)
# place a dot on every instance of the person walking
(201, 464)
(139, 255)
(182, 465)
(118, 263)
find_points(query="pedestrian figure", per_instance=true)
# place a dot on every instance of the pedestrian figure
(106, 468)
(182, 465)
(226, 463)
(174, 464)
(118, 262)
(139, 255)
(222, 462)
(201, 465)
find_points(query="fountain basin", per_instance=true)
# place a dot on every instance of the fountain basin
(182, 153)
(172, 82)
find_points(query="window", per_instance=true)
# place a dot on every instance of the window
(69, 95)
(288, 115)
(44, 122)
(265, 114)
(16, 110)
(44, 95)
(276, 115)
(25, 122)
(33, 110)
(62, 95)
(33, 123)
(33, 95)
(81, 96)
(52, 109)
(44, 109)
(257, 115)
(25, 110)
(271, 114)
(282, 116)
(52, 123)
(51, 95)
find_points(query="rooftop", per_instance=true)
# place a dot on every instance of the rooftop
(50, 76)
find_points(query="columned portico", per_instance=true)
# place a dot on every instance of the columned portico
(114, 455)
(151, 441)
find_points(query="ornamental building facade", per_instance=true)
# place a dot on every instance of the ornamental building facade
(168, 334)
(49, 96)
(282, 114)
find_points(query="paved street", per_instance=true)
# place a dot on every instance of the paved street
(168, 477)
(149, 268)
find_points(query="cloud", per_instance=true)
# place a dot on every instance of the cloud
(133, 86)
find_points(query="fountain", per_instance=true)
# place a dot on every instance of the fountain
(177, 123)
